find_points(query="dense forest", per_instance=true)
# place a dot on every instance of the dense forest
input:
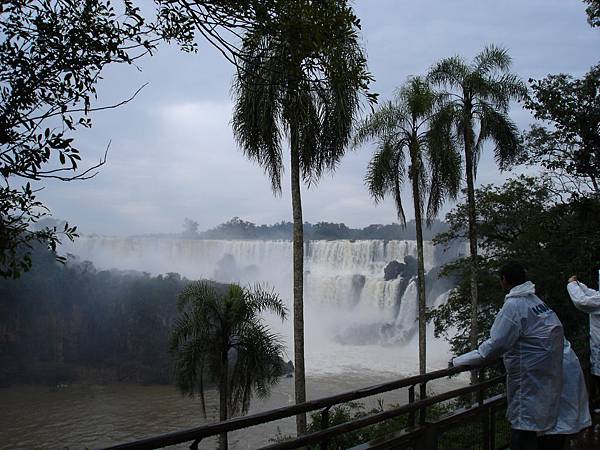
(70, 322)
(61, 323)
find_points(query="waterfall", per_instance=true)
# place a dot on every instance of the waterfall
(342, 277)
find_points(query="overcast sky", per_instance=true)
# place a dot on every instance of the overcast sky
(173, 156)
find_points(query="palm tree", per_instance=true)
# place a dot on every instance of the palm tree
(479, 97)
(300, 81)
(219, 336)
(406, 130)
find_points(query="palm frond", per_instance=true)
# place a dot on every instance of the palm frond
(504, 133)
(256, 118)
(449, 72)
(263, 299)
(313, 89)
(387, 122)
(499, 91)
(258, 364)
(417, 98)
(445, 163)
(386, 170)
(492, 58)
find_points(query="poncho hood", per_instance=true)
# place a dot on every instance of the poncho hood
(522, 290)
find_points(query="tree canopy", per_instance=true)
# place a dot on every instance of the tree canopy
(568, 148)
(522, 220)
(593, 12)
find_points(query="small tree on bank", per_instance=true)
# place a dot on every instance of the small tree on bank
(220, 336)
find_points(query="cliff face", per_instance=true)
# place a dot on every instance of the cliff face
(61, 324)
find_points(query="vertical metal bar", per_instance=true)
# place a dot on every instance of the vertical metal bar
(324, 425)
(485, 413)
(430, 438)
(492, 429)
(481, 391)
(423, 409)
(411, 414)
(194, 445)
(485, 429)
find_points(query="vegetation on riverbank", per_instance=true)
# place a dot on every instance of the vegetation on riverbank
(73, 323)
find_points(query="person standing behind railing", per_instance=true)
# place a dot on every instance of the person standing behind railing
(574, 410)
(529, 336)
(588, 301)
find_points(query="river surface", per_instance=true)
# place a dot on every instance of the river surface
(82, 416)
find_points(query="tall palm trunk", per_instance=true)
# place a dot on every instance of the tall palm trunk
(298, 251)
(468, 137)
(223, 388)
(415, 169)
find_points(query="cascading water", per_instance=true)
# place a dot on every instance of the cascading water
(350, 307)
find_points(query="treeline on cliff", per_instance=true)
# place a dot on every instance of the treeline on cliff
(237, 228)
(62, 323)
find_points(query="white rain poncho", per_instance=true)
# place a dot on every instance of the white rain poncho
(574, 410)
(529, 336)
(588, 301)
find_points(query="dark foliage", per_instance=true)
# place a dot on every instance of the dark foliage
(521, 221)
(569, 149)
(52, 55)
(71, 322)
(237, 228)
(221, 336)
(593, 12)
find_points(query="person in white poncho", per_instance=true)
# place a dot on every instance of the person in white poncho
(574, 410)
(588, 301)
(529, 336)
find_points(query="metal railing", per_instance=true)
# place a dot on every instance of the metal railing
(419, 431)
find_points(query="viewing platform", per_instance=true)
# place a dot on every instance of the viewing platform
(470, 417)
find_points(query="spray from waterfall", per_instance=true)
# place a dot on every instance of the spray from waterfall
(360, 296)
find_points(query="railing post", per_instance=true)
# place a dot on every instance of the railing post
(195, 444)
(324, 425)
(481, 391)
(492, 429)
(411, 399)
(423, 409)
(485, 416)
(430, 438)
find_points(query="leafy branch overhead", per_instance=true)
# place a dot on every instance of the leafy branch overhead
(305, 27)
(52, 57)
(593, 12)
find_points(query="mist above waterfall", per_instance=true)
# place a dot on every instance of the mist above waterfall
(351, 306)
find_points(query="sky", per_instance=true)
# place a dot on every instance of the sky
(172, 153)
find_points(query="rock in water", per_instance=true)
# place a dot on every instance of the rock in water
(393, 270)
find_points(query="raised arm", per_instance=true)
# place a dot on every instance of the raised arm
(584, 298)
(503, 335)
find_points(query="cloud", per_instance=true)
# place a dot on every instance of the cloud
(173, 154)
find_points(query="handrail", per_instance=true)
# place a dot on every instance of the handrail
(346, 427)
(198, 433)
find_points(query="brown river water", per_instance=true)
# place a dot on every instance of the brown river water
(82, 416)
